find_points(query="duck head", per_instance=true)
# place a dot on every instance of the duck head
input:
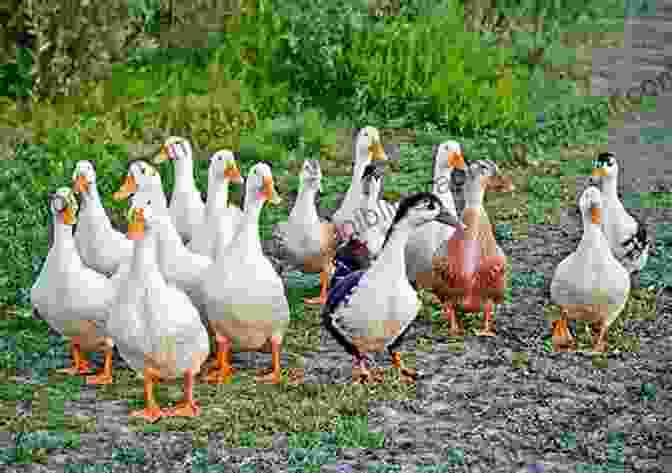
(368, 146)
(223, 165)
(139, 173)
(63, 206)
(421, 208)
(605, 168)
(140, 215)
(83, 177)
(449, 160)
(259, 185)
(311, 175)
(176, 149)
(483, 175)
(590, 204)
(372, 179)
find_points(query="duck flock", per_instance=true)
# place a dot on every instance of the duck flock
(186, 268)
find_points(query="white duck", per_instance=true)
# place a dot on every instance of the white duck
(627, 237)
(589, 284)
(368, 147)
(178, 265)
(186, 206)
(156, 327)
(371, 310)
(100, 246)
(309, 243)
(221, 220)
(144, 176)
(71, 297)
(245, 298)
(422, 244)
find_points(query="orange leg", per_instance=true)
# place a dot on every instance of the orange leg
(324, 288)
(274, 376)
(186, 407)
(455, 329)
(403, 371)
(80, 365)
(152, 412)
(223, 370)
(488, 328)
(104, 376)
(562, 338)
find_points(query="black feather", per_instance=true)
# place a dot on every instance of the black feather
(405, 205)
(639, 240)
(604, 159)
(373, 170)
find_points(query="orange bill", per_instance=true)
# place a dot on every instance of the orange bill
(377, 152)
(233, 174)
(595, 215)
(456, 160)
(81, 184)
(136, 228)
(163, 155)
(599, 172)
(269, 191)
(68, 216)
(127, 188)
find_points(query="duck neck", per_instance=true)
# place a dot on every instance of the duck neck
(64, 243)
(305, 204)
(442, 190)
(353, 195)
(144, 255)
(248, 233)
(391, 259)
(609, 187)
(592, 236)
(91, 203)
(184, 174)
(218, 196)
(156, 188)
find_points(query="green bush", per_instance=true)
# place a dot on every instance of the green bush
(463, 86)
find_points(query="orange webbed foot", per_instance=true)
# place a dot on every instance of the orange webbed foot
(150, 414)
(220, 375)
(83, 367)
(315, 300)
(99, 378)
(184, 408)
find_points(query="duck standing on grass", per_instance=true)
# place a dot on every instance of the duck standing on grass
(626, 236)
(309, 243)
(369, 311)
(589, 284)
(470, 266)
(71, 297)
(157, 329)
(245, 298)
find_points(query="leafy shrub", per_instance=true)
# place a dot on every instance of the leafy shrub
(464, 87)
